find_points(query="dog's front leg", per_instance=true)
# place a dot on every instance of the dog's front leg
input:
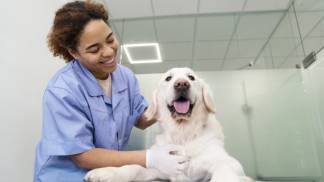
(223, 173)
(107, 174)
(122, 174)
(228, 170)
(149, 174)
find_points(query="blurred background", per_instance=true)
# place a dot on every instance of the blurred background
(263, 59)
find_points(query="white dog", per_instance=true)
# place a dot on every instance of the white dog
(186, 115)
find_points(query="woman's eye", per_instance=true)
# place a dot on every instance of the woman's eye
(191, 77)
(168, 78)
(95, 50)
(109, 41)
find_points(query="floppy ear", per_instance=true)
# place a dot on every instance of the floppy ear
(152, 110)
(208, 100)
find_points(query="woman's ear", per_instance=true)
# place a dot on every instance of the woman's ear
(207, 98)
(74, 54)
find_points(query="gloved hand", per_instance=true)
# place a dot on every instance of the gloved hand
(168, 159)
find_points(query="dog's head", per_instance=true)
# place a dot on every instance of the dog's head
(181, 95)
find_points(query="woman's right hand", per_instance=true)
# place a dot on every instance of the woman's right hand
(168, 159)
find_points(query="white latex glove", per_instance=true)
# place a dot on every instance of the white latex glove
(160, 158)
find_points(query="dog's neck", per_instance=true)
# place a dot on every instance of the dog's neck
(184, 131)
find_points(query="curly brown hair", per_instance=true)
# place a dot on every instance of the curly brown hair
(69, 22)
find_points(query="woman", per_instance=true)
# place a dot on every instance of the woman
(91, 104)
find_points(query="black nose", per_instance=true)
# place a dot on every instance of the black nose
(181, 85)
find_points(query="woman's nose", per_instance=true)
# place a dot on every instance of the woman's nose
(108, 51)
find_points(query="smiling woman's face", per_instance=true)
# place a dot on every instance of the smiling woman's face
(97, 49)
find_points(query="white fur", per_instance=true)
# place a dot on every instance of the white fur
(200, 134)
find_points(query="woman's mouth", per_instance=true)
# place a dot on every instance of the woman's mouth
(110, 62)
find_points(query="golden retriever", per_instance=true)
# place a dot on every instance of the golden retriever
(186, 115)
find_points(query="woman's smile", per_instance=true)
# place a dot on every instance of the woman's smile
(109, 63)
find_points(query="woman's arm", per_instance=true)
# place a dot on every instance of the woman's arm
(98, 157)
(161, 158)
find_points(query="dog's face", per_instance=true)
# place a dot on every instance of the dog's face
(181, 94)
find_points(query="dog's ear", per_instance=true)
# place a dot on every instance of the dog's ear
(152, 110)
(207, 98)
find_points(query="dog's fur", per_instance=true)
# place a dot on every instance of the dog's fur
(197, 131)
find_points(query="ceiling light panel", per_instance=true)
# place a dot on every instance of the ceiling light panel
(142, 53)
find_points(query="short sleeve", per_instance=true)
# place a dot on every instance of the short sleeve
(139, 102)
(66, 128)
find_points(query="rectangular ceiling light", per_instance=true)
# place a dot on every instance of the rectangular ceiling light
(127, 48)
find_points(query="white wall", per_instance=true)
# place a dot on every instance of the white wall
(26, 66)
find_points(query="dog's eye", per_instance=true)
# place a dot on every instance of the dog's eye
(191, 77)
(168, 78)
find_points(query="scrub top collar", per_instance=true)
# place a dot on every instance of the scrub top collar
(91, 84)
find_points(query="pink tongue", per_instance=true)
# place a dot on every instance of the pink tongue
(181, 107)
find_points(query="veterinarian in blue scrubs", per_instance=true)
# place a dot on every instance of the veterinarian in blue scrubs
(91, 105)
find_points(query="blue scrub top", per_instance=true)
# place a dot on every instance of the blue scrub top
(78, 116)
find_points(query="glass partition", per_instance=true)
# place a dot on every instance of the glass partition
(281, 124)
(314, 86)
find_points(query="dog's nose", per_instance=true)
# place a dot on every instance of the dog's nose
(181, 85)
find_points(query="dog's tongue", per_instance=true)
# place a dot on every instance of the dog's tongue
(181, 107)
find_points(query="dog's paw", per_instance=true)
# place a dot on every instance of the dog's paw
(107, 174)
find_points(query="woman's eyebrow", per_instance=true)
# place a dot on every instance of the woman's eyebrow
(109, 35)
(96, 44)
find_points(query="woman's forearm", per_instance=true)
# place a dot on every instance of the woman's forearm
(98, 157)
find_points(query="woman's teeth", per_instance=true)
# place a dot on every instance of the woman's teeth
(108, 62)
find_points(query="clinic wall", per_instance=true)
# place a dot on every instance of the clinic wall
(26, 66)
(314, 87)
(266, 118)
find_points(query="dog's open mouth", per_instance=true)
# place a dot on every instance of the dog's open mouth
(181, 107)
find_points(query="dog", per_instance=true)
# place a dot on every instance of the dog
(187, 117)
